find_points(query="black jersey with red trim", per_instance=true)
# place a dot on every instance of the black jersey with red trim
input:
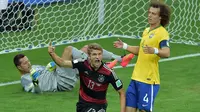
(94, 84)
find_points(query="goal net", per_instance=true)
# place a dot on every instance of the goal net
(30, 24)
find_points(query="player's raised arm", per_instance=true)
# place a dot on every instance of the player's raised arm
(131, 49)
(59, 61)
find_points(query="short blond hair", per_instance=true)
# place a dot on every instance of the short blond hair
(94, 46)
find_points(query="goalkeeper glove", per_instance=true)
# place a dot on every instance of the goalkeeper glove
(34, 75)
(51, 66)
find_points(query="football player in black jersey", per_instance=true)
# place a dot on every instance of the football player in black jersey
(95, 76)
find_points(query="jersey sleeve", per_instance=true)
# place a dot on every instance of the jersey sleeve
(28, 85)
(78, 64)
(116, 82)
(164, 42)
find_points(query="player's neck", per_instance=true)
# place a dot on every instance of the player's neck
(154, 26)
(22, 72)
(95, 68)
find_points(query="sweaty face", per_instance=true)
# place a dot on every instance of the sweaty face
(25, 65)
(95, 58)
(154, 16)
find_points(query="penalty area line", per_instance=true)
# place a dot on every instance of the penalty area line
(130, 65)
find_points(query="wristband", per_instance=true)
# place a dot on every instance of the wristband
(125, 46)
(156, 51)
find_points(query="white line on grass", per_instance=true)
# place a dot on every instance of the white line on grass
(168, 59)
(130, 65)
(9, 83)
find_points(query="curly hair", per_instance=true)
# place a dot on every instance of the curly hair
(165, 11)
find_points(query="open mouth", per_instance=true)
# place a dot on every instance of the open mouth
(97, 61)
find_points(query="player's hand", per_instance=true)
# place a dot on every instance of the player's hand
(51, 66)
(34, 75)
(118, 44)
(51, 49)
(148, 50)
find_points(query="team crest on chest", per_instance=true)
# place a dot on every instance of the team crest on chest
(101, 78)
(151, 35)
(86, 72)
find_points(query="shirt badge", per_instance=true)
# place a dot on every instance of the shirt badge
(118, 83)
(151, 35)
(86, 72)
(101, 78)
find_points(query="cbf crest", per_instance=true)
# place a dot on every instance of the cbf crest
(101, 78)
(151, 35)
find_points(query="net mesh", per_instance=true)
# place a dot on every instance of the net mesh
(29, 24)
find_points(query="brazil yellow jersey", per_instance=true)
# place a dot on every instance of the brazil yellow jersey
(146, 68)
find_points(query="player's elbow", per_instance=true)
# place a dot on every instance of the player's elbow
(121, 92)
(166, 55)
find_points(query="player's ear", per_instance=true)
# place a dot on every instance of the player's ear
(19, 67)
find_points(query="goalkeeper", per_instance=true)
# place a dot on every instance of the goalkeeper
(52, 78)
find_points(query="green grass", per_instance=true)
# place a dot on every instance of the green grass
(179, 86)
(179, 83)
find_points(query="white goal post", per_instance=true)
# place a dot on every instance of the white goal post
(27, 24)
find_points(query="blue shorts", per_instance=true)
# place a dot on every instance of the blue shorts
(141, 95)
